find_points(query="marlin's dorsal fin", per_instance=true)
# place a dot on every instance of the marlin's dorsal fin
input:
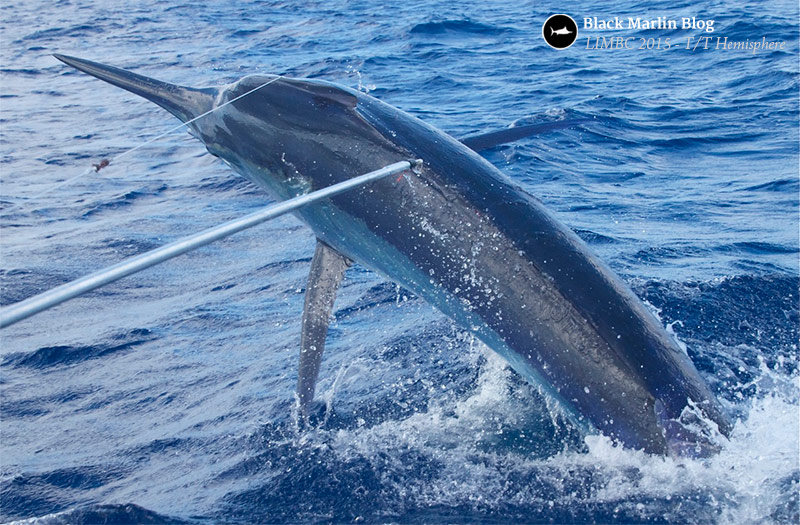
(327, 270)
(484, 141)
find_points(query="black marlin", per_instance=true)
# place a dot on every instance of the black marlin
(459, 234)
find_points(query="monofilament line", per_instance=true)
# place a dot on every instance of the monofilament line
(145, 143)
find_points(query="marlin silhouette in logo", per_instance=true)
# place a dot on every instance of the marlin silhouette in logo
(459, 234)
(562, 31)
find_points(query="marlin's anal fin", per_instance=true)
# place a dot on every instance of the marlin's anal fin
(485, 141)
(327, 270)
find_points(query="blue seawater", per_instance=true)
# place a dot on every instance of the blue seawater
(168, 396)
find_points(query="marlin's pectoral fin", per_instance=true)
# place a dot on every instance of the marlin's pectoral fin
(327, 270)
(495, 138)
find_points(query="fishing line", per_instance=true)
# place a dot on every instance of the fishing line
(105, 162)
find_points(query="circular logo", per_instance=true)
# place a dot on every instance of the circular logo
(560, 31)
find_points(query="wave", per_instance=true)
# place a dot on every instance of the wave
(780, 185)
(93, 514)
(124, 200)
(464, 25)
(52, 356)
(60, 32)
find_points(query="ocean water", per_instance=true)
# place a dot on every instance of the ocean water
(168, 396)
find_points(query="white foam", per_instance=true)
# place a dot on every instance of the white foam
(744, 483)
